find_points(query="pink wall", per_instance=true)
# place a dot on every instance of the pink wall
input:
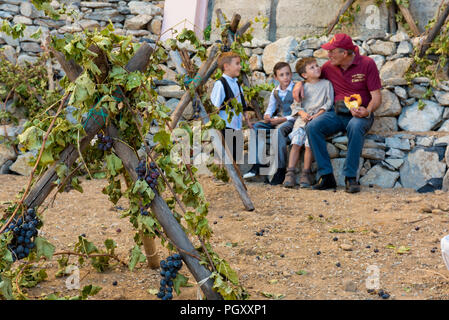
(180, 14)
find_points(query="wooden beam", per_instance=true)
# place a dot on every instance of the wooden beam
(68, 156)
(229, 38)
(141, 58)
(150, 250)
(392, 25)
(235, 22)
(206, 70)
(343, 9)
(409, 19)
(187, 63)
(233, 170)
(221, 148)
(71, 68)
(242, 29)
(101, 60)
(167, 220)
(253, 101)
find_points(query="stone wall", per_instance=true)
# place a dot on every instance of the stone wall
(141, 19)
(405, 148)
(136, 18)
(311, 17)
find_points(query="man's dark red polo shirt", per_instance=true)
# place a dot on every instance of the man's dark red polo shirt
(361, 77)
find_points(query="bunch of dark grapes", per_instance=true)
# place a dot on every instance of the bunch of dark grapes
(150, 174)
(105, 142)
(169, 271)
(24, 229)
(144, 210)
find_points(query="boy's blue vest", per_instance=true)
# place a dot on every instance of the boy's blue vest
(283, 108)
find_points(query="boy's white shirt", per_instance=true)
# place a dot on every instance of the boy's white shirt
(217, 97)
(271, 108)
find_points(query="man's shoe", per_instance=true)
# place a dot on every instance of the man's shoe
(278, 177)
(326, 182)
(351, 185)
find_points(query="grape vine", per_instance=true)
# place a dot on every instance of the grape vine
(132, 115)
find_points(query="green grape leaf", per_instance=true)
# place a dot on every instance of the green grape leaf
(110, 244)
(140, 186)
(6, 288)
(89, 290)
(180, 281)
(84, 246)
(114, 164)
(133, 80)
(31, 138)
(163, 137)
(136, 257)
(44, 248)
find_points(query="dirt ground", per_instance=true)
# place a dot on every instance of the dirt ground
(315, 245)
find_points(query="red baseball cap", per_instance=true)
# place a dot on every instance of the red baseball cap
(339, 40)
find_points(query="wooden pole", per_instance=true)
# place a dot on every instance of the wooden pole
(222, 149)
(68, 156)
(392, 25)
(253, 101)
(149, 246)
(242, 29)
(409, 18)
(167, 220)
(159, 207)
(343, 9)
(206, 70)
(101, 60)
(235, 22)
(434, 31)
(148, 242)
(71, 68)
(229, 39)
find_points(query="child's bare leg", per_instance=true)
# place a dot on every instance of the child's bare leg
(294, 156)
(308, 158)
(306, 180)
(290, 176)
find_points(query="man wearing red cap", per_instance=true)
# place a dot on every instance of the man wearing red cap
(350, 73)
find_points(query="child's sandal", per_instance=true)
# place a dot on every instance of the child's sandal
(290, 178)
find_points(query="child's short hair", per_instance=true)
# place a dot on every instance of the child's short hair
(279, 66)
(303, 63)
(226, 57)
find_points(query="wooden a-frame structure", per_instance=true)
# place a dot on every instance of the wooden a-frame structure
(139, 62)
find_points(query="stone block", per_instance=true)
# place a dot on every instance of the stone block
(390, 105)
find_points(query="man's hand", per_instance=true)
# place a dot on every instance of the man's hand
(360, 112)
(298, 91)
(316, 115)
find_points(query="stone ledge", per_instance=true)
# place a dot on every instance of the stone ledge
(416, 160)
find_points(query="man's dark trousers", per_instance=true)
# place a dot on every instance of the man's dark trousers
(330, 123)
